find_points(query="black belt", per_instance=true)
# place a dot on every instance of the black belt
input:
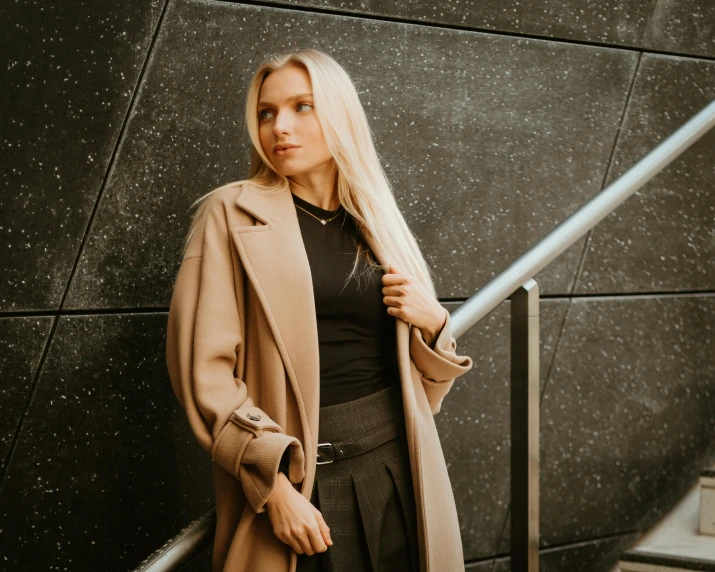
(330, 452)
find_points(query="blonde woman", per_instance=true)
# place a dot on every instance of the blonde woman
(307, 345)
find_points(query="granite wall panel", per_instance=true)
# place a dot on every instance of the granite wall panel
(22, 341)
(106, 468)
(68, 73)
(628, 415)
(676, 26)
(683, 27)
(662, 239)
(606, 21)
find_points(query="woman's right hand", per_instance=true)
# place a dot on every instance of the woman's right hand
(295, 520)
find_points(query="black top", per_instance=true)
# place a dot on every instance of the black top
(356, 335)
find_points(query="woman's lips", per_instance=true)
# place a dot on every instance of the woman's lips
(282, 152)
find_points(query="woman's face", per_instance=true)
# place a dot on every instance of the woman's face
(286, 115)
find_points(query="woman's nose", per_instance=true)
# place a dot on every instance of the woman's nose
(283, 123)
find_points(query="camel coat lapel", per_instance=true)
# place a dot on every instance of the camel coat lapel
(276, 263)
(277, 352)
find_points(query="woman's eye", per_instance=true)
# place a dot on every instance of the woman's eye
(262, 116)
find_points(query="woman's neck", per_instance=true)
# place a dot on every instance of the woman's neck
(321, 193)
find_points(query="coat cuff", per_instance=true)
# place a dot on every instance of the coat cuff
(259, 467)
(441, 363)
(253, 457)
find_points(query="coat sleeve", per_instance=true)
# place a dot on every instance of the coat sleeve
(439, 366)
(202, 344)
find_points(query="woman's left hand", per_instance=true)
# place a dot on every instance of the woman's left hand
(407, 299)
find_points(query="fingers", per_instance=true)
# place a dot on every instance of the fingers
(393, 301)
(303, 537)
(308, 538)
(396, 290)
(302, 527)
(315, 538)
(294, 544)
(324, 528)
(393, 279)
(291, 537)
(298, 538)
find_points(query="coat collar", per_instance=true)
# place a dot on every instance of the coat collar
(275, 260)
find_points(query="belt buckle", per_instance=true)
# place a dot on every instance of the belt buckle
(330, 448)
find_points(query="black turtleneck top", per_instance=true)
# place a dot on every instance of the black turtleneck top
(356, 335)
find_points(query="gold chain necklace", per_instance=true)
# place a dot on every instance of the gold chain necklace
(324, 221)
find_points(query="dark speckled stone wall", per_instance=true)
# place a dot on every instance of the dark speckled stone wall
(679, 26)
(22, 341)
(116, 117)
(663, 238)
(105, 468)
(69, 71)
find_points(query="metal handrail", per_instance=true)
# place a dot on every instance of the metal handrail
(181, 549)
(199, 534)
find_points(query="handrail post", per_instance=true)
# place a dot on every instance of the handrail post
(525, 428)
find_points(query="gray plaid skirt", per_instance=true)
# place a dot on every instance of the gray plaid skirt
(367, 500)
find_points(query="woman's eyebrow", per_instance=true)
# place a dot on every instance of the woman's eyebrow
(293, 98)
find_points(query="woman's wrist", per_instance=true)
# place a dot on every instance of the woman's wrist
(281, 482)
(430, 334)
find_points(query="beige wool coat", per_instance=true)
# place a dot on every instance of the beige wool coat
(242, 356)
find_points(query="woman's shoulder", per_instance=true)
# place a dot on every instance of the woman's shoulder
(232, 206)
(215, 213)
(224, 201)
(238, 193)
(226, 194)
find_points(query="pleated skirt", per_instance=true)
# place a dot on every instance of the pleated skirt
(367, 500)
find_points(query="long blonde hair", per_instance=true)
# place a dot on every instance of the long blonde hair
(363, 189)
